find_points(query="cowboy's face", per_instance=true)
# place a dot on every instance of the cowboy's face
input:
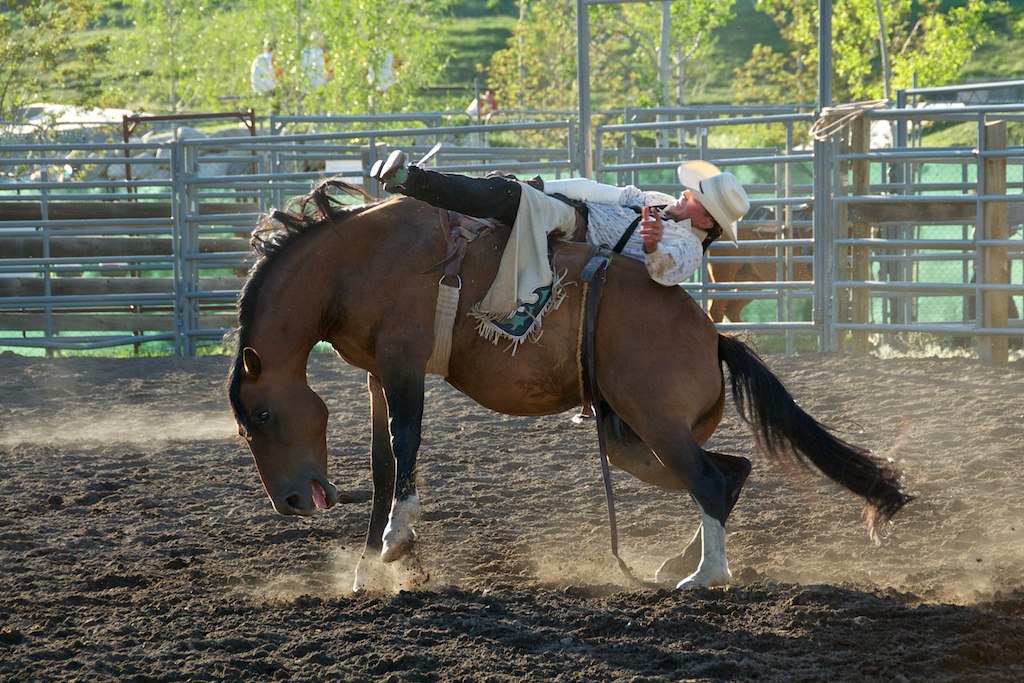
(687, 206)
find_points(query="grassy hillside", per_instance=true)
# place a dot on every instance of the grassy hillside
(1002, 58)
(482, 27)
(474, 39)
(480, 32)
(733, 44)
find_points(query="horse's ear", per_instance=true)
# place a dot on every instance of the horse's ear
(251, 363)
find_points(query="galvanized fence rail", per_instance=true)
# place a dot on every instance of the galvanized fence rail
(865, 241)
(931, 237)
(864, 265)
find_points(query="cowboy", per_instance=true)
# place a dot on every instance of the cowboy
(671, 238)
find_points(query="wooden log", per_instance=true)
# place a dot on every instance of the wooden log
(843, 230)
(87, 322)
(934, 212)
(860, 304)
(116, 248)
(99, 286)
(99, 210)
(107, 322)
(218, 321)
(995, 266)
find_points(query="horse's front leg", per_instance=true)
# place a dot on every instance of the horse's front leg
(382, 466)
(404, 394)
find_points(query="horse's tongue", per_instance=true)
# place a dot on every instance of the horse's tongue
(319, 495)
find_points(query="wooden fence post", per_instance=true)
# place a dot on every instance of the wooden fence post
(860, 310)
(841, 217)
(995, 266)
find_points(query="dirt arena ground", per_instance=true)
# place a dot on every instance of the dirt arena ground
(136, 543)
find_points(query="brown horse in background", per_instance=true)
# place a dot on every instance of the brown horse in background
(356, 276)
(754, 271)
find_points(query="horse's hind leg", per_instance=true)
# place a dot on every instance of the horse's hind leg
(736, 469)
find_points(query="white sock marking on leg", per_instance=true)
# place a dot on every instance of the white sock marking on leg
(714, 565)
(399, 532)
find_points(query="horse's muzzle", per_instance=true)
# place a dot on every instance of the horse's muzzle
(317, 494)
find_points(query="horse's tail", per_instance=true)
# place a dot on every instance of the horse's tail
(782, 427)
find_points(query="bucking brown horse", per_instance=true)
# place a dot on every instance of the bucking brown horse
(361, 277)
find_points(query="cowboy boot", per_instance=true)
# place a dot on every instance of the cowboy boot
(391, 171)
(494, 197)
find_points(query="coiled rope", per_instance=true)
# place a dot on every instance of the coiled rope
(831, 120)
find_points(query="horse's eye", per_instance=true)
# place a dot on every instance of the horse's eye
(263, 417)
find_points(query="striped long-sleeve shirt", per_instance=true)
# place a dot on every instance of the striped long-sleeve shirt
(678, 254)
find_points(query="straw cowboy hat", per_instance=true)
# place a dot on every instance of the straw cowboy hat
(719, 192)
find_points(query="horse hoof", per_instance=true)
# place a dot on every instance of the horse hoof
(399, 533)
(698, 580)
(397, 544)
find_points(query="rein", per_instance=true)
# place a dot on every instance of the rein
(621, 244)
(458, 231)
(631, 228)
(592, 277)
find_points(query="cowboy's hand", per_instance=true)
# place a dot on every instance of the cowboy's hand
(651, 230)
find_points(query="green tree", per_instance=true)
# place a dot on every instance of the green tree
(160, 56)
(382, 53)
(184, 56)
(37, 51)
(922, 44)
(538, 68)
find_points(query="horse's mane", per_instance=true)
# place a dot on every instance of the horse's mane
(275, 232)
